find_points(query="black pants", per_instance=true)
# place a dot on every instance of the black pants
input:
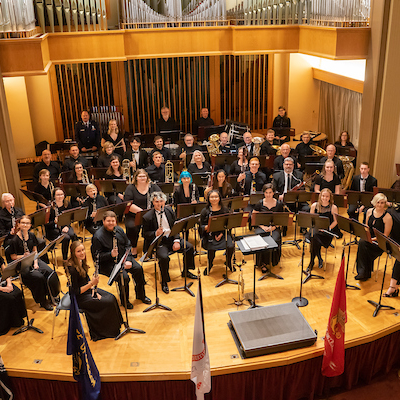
(229, 254)
(70, 235)
(351, 211)
(367, 253)
(132, 230)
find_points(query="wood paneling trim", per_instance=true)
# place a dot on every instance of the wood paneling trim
(338, 80)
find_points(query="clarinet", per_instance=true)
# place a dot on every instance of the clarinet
(56, 213)
(95, 275)
(115, 243)
(26, 248)
(193, 199)
(94, 206)
(148, 198)
(13, 219)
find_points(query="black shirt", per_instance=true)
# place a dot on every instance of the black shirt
(139, 199)
(17, 245)
(202, 122)
(194, 169)
(179, 194)
(53, 168)
(156, 174)
(6, 219)
(319, 180)
(267, 149)
(141, 157)
(165, 126)
(45, 192)
(228, 149)
(164, 151)
(281, 122)
(259, 178)
(69, 163)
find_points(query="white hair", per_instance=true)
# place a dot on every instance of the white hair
(195, 152)
(158, 196)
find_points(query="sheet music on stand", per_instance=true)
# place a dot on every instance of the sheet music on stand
(254, 243)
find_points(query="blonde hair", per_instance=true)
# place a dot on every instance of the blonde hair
(319, 202)
(377, 198)
(109, 129)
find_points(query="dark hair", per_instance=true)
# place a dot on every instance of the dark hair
(244, 148)
(268, 186)
(73, 145)
(110, 170)
(134, 139)
(226, 186)
(73, 261)
(365, 163)
(348, 137)
(219, 195)
(109, 214)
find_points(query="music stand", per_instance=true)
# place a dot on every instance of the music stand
(255, 198)
(390, 247)
(236, 203)
(166, 188)
(74, 215)
(296, 197)
(347, 225)
(271, 219)
(112, 185)
(311, 168)
(153, 246)
(201, 179)
(359, 198)
(267, 161)
(183, 226)
(119, 209)
(223, 159)
(75, 189)
(97, 173)
(118, 270)
(25, 263)
(36, 197)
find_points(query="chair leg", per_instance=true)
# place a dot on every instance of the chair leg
(326, 256)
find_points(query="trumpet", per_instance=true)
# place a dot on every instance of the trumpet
(85, 177)
(169, 172)
(126, 170)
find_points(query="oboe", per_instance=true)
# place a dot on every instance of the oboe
(193, 199)
(95, 275)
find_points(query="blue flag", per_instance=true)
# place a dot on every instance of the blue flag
(84, 369)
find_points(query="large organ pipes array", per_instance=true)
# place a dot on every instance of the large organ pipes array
(92, 14)
(16, 15)
(205, 10)
(138, 11)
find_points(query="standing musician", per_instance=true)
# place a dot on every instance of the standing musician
(87, 133)
(285, 152)
(159, 146)
(12, 304)
(74, 158)
(46, 163)
(35, 278)
(105, 158)
(248, 143)
(101, 308)
(9, 215)
(254, 180)
(161, 219)
(156, 171)
(204, 120)
(94, 201)
(187, 192)
(137, 157)
(221, 184)
(303, 149)
(114, 136)
(378, 218)
(166, 122)
(327, 179)
(114, 171)
(213, 241)
(241, 164)
(269, 204)
(361, 183)
(53, 230)
(324, 207)
(44, 186)
(110, 243)
(330, 155)
(266, 147)
(189, 147)
(139, 193)
(198, 164)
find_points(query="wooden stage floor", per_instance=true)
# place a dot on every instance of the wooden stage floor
(164, 352)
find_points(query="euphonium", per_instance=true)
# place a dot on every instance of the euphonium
(257, 145)
(213, 144)
(85, 177)
(169, 172)
(126, 170)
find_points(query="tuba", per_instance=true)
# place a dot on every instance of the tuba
(257, 145)
(213, 144)
(126, 170)
(169, 172)
(318, 150)
(348, 168)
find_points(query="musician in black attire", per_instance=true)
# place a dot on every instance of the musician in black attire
(378, 218)
(198, 164)
(110, 243)
(8, 216)
(247, 143)
(139, 193)
(74, 157)
(330, 154)
(101, 309)
(135, 152)
(213, 241)
(327, 179)
(161, 219)
(285, 152)
(87, 134)
(44, 186)
(52, 166)
(241, 164)
(187, 192)
(53, 230)
(189, 147)
(156, 171)
(361, 183)
(254, 180)
(114, 136)
(159, 143)
(282, 121)
(303, 149)
(93, 202)
(166, 122)
(220, 183)
(12, 304)
(204, 120)
(266, 147)
(105, 159)
(393, 289)
(35, 278)
(224, 146)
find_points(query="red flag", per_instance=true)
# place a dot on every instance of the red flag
(333, 361)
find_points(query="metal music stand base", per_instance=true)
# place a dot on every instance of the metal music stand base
(27, 328)
(269, 274)
(128, 329)
(378, 306)
(310, 276)
(226, 280)
(185, 288)
(300, 301)
(157, 305)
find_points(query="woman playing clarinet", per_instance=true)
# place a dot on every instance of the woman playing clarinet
(221, 184)
(187, 192)
(101, 308)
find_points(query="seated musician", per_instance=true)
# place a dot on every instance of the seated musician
(221, 184)
(94, 201)
(286, 180)
(187, 192)
(344, 140)
(159, 147)
(285, 152)
(87, 133)
(74, 157)
(393, 289)
(247, 143)
(269, 204)
(282, 121)
(224, 146)
(166, 122)
(198, 164)
(303, 149)
(35, 278)
(156, 171)
(53, 230)
(105, 158)
(161, 219)
(266, 147)
(9, 214)
(213, 241)
(330, 155)
(78, 176)
(46, 163)
(101, 308)
(138, 158)
(44, 186)
(324, 207)
(241, 164)
(114, 136)
(114, 171)
(139, 193)
(110, 243)
(204, 120)
(254, 180)
(12, 304)
(378, 218)
(189, 146)
(327, 179)
(361, 183)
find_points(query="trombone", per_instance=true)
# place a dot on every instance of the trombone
(169, 172)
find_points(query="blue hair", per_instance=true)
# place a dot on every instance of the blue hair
(185, 174)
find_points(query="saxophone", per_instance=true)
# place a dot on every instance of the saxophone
(193, 198)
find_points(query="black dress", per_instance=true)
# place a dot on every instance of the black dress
(103, 316)
(110, 196)
(323, 184)
(179, 195)
(367, 252)
(45, 192)
(263, 258)
(105, 159)
(116, 142)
